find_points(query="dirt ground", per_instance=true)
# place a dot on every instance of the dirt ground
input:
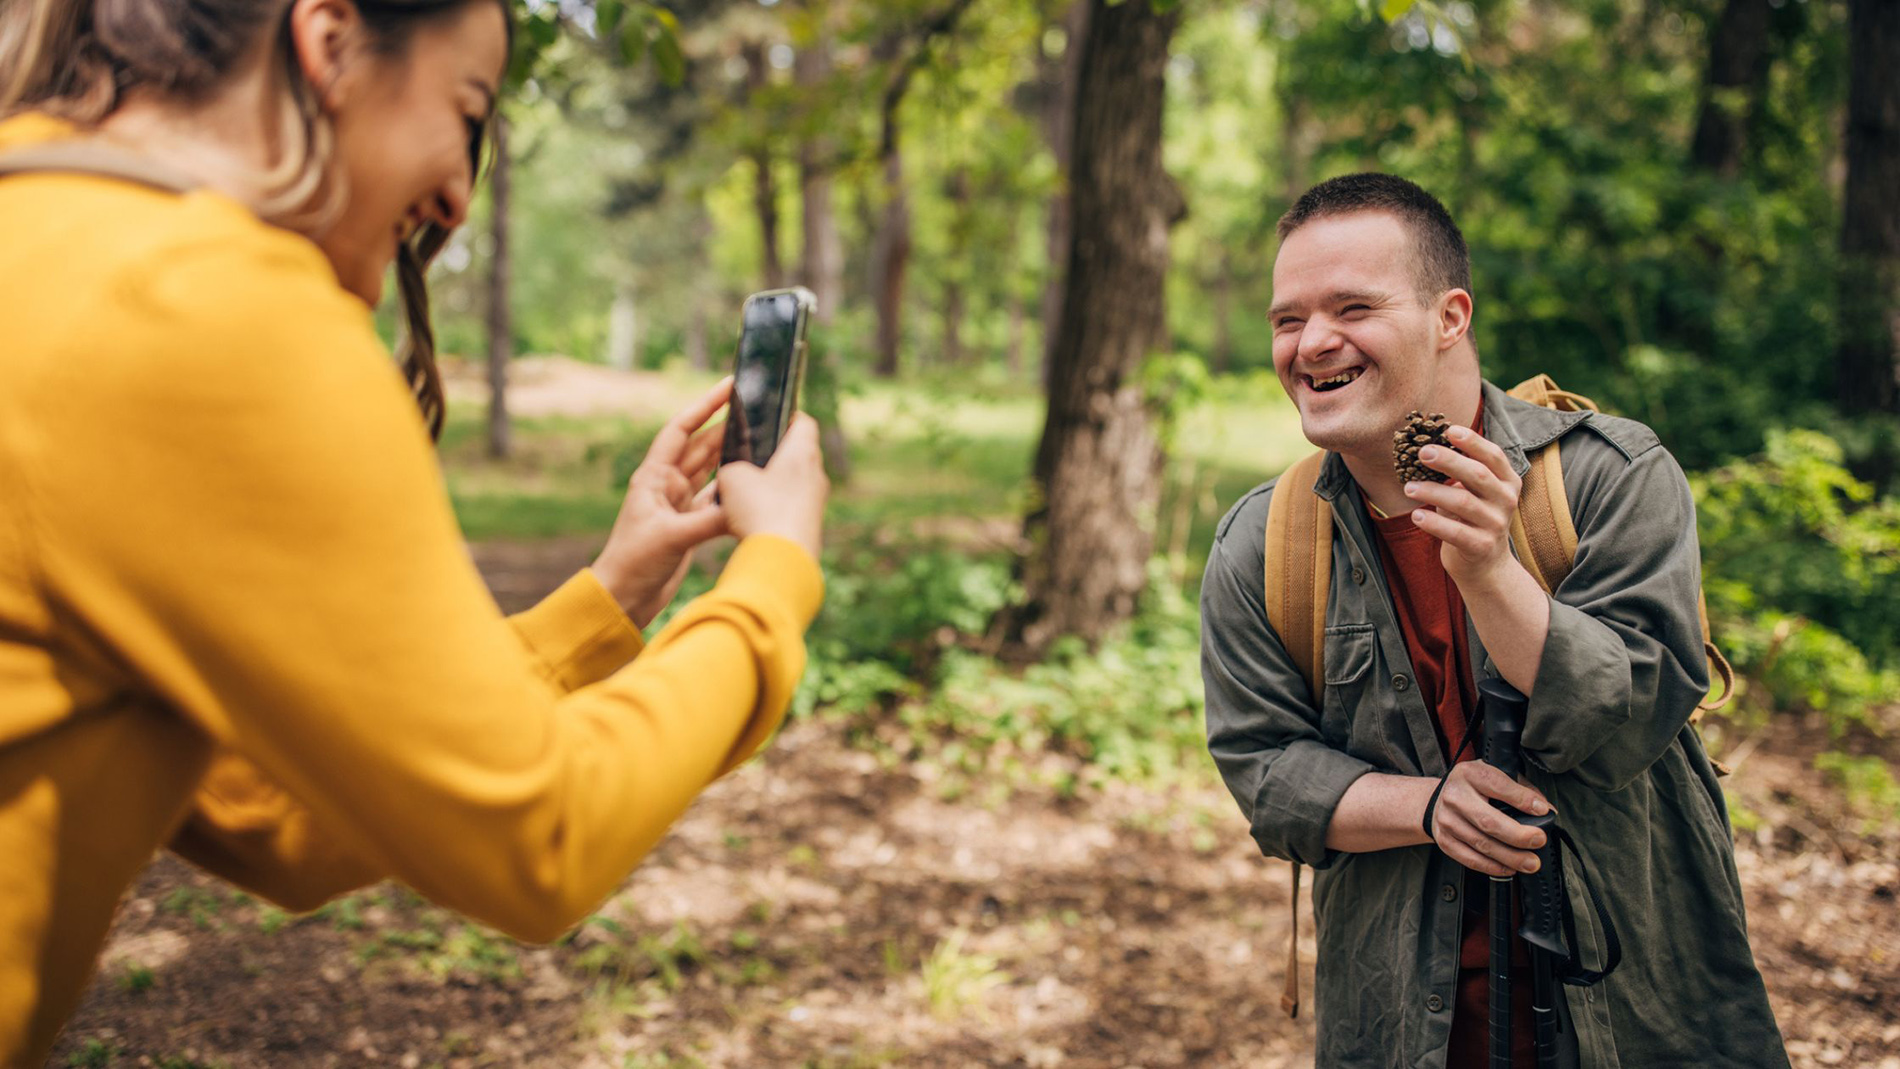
(830, 907)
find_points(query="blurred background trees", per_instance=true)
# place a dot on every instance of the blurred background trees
(1063, 210)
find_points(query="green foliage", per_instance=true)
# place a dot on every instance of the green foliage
(1869, 784)
(1802, 572)
(200, 904)
(1793, 531)
(93, 1054)
(137, 979)
(1130, 709)
(903, 628)
(1699, 302)
(344, 914)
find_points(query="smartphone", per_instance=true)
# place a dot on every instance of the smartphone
(767, 372)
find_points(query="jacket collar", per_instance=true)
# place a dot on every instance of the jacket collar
(1518, 427)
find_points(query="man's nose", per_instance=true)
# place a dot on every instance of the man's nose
(1318, 338)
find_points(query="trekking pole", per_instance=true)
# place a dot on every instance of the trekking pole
(1503, 716)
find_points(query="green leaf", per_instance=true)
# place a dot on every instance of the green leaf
(609, 16)
(669, 58)
(1394, 10)
(633, 42)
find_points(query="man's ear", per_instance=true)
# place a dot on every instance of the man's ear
(324, 39)
(1454, 318)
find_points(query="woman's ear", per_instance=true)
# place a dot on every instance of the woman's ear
(324, 38)
(1454, 318)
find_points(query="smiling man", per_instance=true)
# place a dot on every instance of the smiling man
(1371, 316)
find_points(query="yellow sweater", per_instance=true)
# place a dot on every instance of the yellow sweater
(237, 618)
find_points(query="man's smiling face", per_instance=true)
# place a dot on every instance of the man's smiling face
(1356, 345)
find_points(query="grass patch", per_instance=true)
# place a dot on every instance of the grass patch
(956, 980)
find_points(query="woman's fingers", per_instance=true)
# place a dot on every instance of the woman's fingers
(702, 451)
(670, 444)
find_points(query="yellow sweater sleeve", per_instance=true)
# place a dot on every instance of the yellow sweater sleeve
(240, 501)
(246, 829)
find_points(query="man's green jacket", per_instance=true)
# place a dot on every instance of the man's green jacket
(1607, 737)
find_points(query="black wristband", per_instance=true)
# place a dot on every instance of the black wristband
(1432, 807)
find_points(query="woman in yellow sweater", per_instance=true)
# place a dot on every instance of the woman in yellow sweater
(236, 616)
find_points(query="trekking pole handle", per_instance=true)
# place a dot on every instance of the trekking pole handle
(1504, 707)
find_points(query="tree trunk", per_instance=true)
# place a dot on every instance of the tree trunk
(953, 290)
(890, 246)
(821, 263)
(700, 285)
(1737, 73)
(1098, 463)
(764, 182)
(821, 269)
(1868, 361)
(501, 327)
(890, 257)
(1058, 127)
(1296, 146)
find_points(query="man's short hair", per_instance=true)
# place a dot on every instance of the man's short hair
(1442, 261)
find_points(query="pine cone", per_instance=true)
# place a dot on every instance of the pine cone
(1419, 431)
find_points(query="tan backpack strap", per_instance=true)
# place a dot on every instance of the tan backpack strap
(1299, 568)
(1299, 578)
(96, 160)
(1542, 531)
(1718, 664)
(1290, 995)
(1543, 390)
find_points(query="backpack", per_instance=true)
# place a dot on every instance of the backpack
(1299, 567)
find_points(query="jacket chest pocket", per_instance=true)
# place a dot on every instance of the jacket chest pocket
(1350, 652)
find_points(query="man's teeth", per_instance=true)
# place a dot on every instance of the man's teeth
(1340, 379)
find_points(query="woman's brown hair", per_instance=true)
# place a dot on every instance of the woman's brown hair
(77, 60)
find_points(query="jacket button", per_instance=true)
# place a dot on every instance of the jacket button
(1449, 894)
(1359, 576)
(1434, 1004)
(1401, 682)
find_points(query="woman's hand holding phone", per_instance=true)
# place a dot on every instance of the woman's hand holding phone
(787, 496)
(669, 510)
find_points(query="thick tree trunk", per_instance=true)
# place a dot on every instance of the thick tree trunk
(1868, 361)
(1737, 74)
(1058, 127)
(1098, 463)
(501, 326)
